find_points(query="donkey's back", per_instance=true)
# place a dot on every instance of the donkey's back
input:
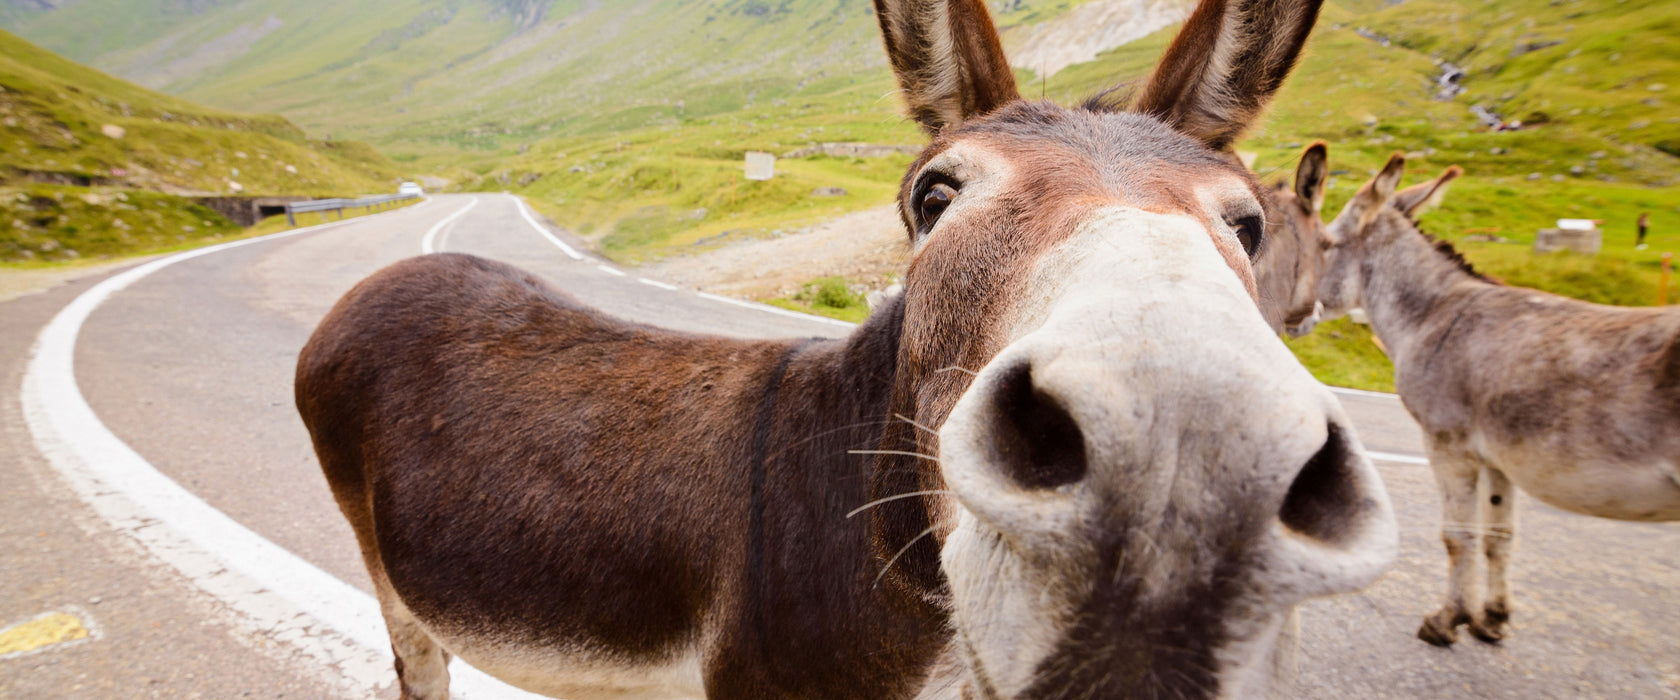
(1592, 391)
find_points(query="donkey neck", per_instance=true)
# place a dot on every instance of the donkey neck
(1410, 283)
(821, 418)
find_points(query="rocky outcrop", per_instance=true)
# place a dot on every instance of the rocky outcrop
(1088, 30)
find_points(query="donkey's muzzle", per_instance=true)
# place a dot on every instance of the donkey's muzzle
(1146, 468)
(1045, 454)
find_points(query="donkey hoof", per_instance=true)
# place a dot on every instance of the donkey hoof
(1491, 628)
(1490, 632)
(1437, 634)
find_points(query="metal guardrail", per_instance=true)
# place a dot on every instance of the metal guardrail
(339, 204)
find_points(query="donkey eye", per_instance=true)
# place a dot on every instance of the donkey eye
(932, 203)
(1250, 231)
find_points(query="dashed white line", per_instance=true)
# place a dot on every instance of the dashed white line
(427, 241)
(774, 310)
(525, 212)
(277, 594)
(543, 229)
(657, 283)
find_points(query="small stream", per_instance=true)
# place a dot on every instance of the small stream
(1449, 83)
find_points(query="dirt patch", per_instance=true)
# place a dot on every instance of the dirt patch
(866, 247)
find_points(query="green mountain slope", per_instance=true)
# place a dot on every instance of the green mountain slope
(468, 73)
(93, 165)
(57, 127)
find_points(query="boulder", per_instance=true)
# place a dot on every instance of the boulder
(1586, 242)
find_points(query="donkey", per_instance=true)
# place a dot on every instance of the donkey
(1291, 262)
(1070, 458)
(1577, 403)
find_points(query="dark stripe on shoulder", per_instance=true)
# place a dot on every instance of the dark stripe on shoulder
(762, 423)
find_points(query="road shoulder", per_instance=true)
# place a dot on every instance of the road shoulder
(152, 634)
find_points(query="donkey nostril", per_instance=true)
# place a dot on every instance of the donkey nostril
(1324, 503)
(1040, 444)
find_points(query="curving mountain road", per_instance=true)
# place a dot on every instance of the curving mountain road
(236, 574)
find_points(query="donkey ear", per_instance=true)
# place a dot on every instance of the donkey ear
(1310, 175)
(1417, 199)
(948, 59)
(1225, 65)
(1380, 190)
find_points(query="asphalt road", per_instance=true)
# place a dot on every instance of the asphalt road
(190, 366)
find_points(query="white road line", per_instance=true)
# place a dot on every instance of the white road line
(1362, 392)
(543, 229)
(523, 211)
(276, 594)
(775, 310)
(656, 283)
(1397, 458)
(426, 242)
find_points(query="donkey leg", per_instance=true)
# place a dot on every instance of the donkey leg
(1499, 535)
(422, 664)
(1457, 478)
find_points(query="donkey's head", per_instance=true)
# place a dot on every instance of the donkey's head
(1136, 482)
(1292, 260)
(1375, 216)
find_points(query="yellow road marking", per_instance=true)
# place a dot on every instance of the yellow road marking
(46, 630)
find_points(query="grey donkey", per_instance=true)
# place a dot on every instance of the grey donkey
(1291, 261)
(1577, 403)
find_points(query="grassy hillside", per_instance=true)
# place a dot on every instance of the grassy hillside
(63, 122)
(93, 165)
(654, 191)
(469, 75)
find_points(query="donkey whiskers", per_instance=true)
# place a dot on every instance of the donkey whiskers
(930, 431)
(905, 453)
(826, 433)
(954, 368)
(879, 501)
(901, 552)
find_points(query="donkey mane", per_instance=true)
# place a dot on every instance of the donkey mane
(1445, 249)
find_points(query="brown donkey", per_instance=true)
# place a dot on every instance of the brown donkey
(1070, 459)
(1577, 403)
(1291, 262)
